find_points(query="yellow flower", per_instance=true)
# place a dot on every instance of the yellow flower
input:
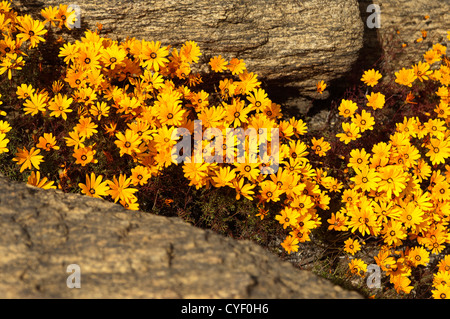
(128, 143)
(49, 15)
(75, 140)
(218, 64)
(86, 127)
(405, 77)
(84, 155)
(441, 291)
(364, 121)
(352, 246)
(28, 159)
(47, 142)
(347, 108)
(375, 100)
(153, 56)
(31, 30)
(371, 77)
(140, 175)
(190, 52)
(358, 267)
(321, 86)
(422, 70)
(431, 56)
(243, 189)
(120, 189)
(236, 66)
(320, 146)
(94, 187)
(338, 221)
(290, 244)
(418, 256)
(60, 105)
(351, 133)
(35, 180)
(37, 103)
(3, 143)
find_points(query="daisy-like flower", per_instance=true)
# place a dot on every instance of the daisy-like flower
(94, 186)
(338, 221)
(4, 127)
(84, 155)
(405, 77)
(366, 178)
(11, 62)
(358, 267)
(28, 159)
(37, 103)
(190, 52)
(438, 150)
(153, 56)
(170, 111)
(376, 100)
(371, 77)
(288, 217)
(419, 256)
(47, 142)
(237, 113)
(86, 127)
(101, 109)
(358, 158)
(364, 121)
(69, 52)
(422, 70)
(66, 16)
(120, 189)
(24, 91)
(3, 143)
(393, 233)
(320, 146)
(49, 15)
(140, 175)
(60, 106)
(258, 99)
(290, 244)
(321, 86)
(269, 191)
(347, 108)
(245, 190)
(236, 66)
(113, 56)
(218, 64)
(31, 29)
(393, 180)
(352, 246)
(35, 180)
(128, 143)
(351, 133)
(74, 139)
(441, 292)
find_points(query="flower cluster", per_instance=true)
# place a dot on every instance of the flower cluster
(398, 190)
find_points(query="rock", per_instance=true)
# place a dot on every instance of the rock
(290, 44)
(124, 254)
(408, 18)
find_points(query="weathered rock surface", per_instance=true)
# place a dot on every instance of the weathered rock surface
(408, 18)
(290, 44)
(125, 254)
